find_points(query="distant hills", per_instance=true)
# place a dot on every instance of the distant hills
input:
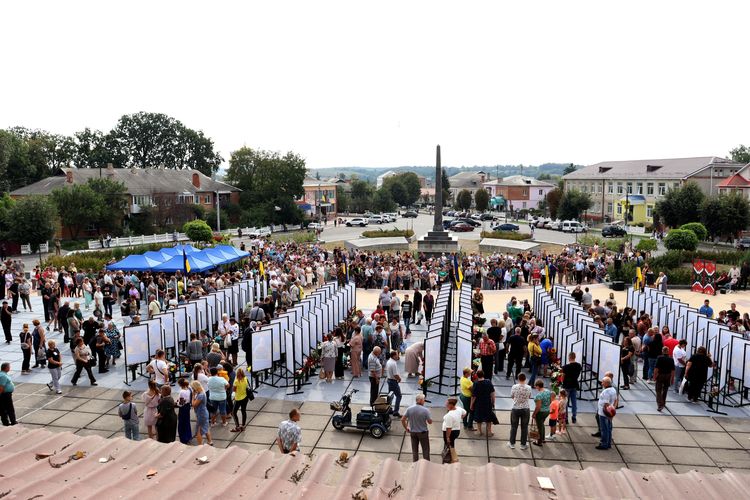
(371, 174)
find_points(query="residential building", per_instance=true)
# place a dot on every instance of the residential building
(471, 181)
(737, 183)
(319, 200)
(382, 177)
(170, 194)
(634, 186)
(517, 192)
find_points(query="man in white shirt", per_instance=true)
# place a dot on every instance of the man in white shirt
(607, 400)
(159, 368)
(452, 426)
(679, 354)
(394, 378)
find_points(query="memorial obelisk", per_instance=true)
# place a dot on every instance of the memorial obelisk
(438, 240)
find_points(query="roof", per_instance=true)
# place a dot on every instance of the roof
(138, 181)
(669, 168)
(313, 182)
(736, 180)
(518, 180)
(149, 469)
(467, 180)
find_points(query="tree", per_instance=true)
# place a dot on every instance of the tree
(32, 220)
(725, 215)
(681, 239)
(198, 230)
(646, 245)
(553, 201)
(482, 200)
(268, 180)
(740, 154)
(572, 204)
(569, 169)
(361, 195)
(681, 206)
(405, 188)
(113, 206)
(76, 205)
(6, 203)
(446, 187)
(343, 200)
(463, 199)
(699, 229)
(382, 201)
(153, 140)
(91, 149)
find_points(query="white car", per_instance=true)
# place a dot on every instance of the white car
(259, 233)
(573, 226)
(376, 219)
(357, 221)
(554, 225)
(315, 225)
(391, 216)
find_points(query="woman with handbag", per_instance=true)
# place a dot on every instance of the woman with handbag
(83, 360)
(451, 429)
(151, 401)
(542, 401)
(111, 350)
(39, 337)
(27, 346)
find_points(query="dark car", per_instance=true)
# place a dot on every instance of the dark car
(462, 227)
(506, 227)
(471, 222)
(410, 213)
(613, 231)
(743, 244)
(486, 216)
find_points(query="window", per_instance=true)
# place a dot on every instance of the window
(619, 188)
(630, 188)
(541, 192)
(676, 185)
(207, 199)
(650, 188)
(584, 188)
(639, 188)
(524, 204)
(609, 207)
(649, 211)
(610, 188)
(662, 189)
(168, 220)
(526, 193)
(142, 200)
(619, 209)
(196, 199)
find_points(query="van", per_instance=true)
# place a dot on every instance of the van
(572, 226)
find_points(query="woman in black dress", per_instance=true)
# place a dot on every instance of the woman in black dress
(627, 351)
(483, 403)
(340, 343)
(166, 423)
(696, 373)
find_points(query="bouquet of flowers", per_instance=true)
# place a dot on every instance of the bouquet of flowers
(552, 355)
(424, 384)
(556, 378)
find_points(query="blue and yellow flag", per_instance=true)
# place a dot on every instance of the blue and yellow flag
(458, 274)
(546, 277)
(185, 262)
(262, 270)
(638, 278)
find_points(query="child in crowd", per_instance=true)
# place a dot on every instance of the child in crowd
(129, 415)
(554, 409)
(562, 411)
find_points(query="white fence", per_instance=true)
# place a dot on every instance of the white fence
(26, 249)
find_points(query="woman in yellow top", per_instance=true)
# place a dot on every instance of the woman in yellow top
(242, 394)
(466, 386)
(535, 355)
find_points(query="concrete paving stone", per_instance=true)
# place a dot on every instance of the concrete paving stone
(665, 437)
(60, 428)
(345, 440)
(316, 408)
(682, 469)
(743, 438)
(220, 443)
(659, 422)
(731, 424)
(473, 461)
(641, 454)
(252, 447)
(65, 403)
(651, 467)
(501, 450)
(84, 390)
(42, 417)
(700, 424)
(76, 419)
(625, 420)
(281, 406)
(27, 388)
(686, 456)
(579, 434)
(223, 433)
(376, 457)
(256, 404)
(510, 462)
(500, 433)
(554, 451)
(317, 422)
(589, 453)
(268, 419)
(562, 463)
(610, 466)
(95, 432)
(716, 439)
(260, 435)
(386, 444)
(116, 395)
(739, 459)
(101, 406)
(34, 401)
(625, 435)
(106, 423)
(470, 448)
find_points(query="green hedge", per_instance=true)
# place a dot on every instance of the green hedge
(646, 245)
(696, 227)
(297, 237)
(681, 239)
(506, 235)
(676, 275)
(611, 244)
(388, 233)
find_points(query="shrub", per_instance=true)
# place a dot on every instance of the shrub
(388, 233)
(198, 230)
(669, 260)
(696, 227)
(646, 245)
(506, 235)
(681, 239)
(297, 237)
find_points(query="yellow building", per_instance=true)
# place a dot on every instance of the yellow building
(639, 210)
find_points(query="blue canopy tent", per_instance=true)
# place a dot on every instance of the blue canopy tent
(177, 263)
(178, 249)
(158, 255)
(134, 263)
(211, 257)
(235, 252)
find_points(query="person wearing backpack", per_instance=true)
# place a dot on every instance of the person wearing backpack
(129, 415)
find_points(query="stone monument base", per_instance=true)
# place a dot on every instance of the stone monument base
(437, 242)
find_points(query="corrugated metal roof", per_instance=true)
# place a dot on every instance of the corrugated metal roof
(138, 181)
(666, 168)
(37, 463)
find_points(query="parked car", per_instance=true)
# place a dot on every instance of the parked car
(542, 222)
(505, 227)
(615, 231)
(469, 221)
(390, 217)
(743, 244)
(259, 233)
(476, 216)
(375, 219)
(486, 216)
(410, 214)
(573, 226)
(462, 227)
(315, 226)
(357, 221)
(555, 225)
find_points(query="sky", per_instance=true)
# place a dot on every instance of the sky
(379, 84)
